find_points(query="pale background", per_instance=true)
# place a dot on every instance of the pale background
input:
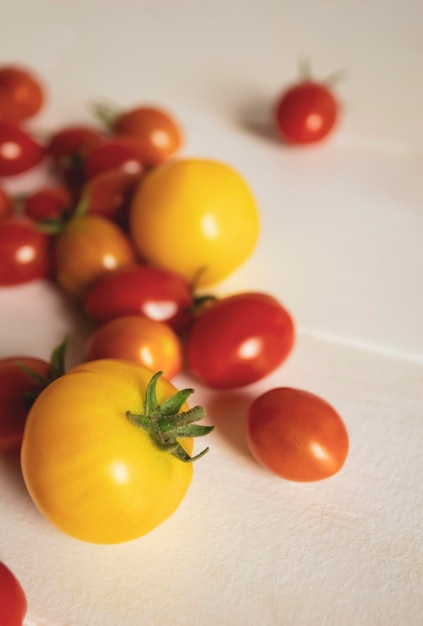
(340, 247)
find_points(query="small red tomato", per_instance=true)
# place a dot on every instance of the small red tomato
(68, 148)
(6, 204)
(87, 248)
(238, 340)
(53, 202)
(141, 289)
(25, 252)
(141, 340)
(110, 193)
(15, 383)
(306, 113)
(158, 134)
(21, 94)
(19, 152)
(13, 602)
(297, 435)
(118, 152)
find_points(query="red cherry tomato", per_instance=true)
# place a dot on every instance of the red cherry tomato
(141, 340)
(21, 94)
(53, 202)
(6, 204)
(18, 151)
(68, 148)
(297, 435)
(15, 382)
(238, 340)
(110, 193)
(25, 253)
(118, 152)
(158, 134)
(141, 289)
(13, 603)
(306, 113)
(89, 247)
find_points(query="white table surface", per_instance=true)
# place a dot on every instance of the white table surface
(340, 246)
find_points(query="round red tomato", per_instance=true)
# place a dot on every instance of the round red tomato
(118, 152)
(141, 340)
(18, 151)
(297, 435)
(306, 113)
(158, 135)
(87, 248)
(51, 202)
(21, 94)
(238, 340)
(13, 603)
(25, 252)
(141, 289)
(16, 385)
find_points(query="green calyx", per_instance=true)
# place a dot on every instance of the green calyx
(166, 425)
(57, 369)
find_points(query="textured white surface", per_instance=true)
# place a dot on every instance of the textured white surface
(341, 247)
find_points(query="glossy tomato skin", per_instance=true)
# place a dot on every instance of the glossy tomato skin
(158, 135)
(19, 152)
(49, 202)
(89, 247)
(158, 294)
(6, 204)
(297, 435)
(89, 470)
(21, 94)
(25, 252)
(196, 217)
(14, 384)
(306, 113)
(140, 340)
(118, 152)
(239, 339)
(13, 602)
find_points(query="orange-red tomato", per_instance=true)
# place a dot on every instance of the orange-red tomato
(297, 435)
(141, 340)
(21, 94)
(158, 135)
(89, 247)
(13, 602)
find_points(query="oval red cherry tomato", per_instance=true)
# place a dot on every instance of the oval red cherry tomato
(13, 602)
(297, 434)
(25, 252)
(88, 248)
(141, 340)
(158, 135)
(109, 194)
(18, 151)
(118, 152)
(141, 289)
(306, 112)
(52, 202)
(15, 384)
(239, 339)
(21, 94)
(6, 204)
(68, 148)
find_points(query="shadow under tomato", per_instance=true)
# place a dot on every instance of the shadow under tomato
(10, 466)
(256, 117)
(228, 412)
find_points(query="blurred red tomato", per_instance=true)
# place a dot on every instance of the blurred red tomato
(21, 94)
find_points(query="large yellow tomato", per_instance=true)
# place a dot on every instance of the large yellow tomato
(89, 468)
(196, 217)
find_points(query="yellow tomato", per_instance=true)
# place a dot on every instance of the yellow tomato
(88, 468)
(89, 247)
(196, 217)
